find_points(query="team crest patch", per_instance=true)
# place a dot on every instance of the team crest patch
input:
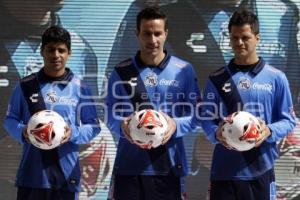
(151, 80)
(51, 97)
(244, 83)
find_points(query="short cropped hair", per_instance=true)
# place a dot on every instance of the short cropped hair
(56, 34)
(242, 17)
(151, 13)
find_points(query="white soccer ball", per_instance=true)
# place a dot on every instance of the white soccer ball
(147, 128)
(241, 130)
(46, 129)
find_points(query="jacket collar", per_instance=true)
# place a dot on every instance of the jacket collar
(43, 78)
(161, 65)
(254, 70)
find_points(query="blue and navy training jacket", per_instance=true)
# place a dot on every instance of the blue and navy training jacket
(171, 87)
(263, 91)
(71, 98)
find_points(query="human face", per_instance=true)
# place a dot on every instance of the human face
(152, 36)
(55, 55)
(243, 43)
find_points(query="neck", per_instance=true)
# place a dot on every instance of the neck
(246, 61)
(152, 60)
(54, 74)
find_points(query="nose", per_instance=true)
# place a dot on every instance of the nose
(152, 38)
(56, 53)
(239, 41)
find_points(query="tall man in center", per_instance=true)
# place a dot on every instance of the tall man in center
(151, 79)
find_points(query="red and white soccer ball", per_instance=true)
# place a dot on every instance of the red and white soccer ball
(46, 129)
(147, 128)
(241, 130)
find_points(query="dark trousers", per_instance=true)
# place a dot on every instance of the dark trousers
(146, 187)
(25, 193)
(262, 188)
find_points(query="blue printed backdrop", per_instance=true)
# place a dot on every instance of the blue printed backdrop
(103, 35)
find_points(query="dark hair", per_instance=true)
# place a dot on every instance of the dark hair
(242, 17)
(150, 13)
(56, 34)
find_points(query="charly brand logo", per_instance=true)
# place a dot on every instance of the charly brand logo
(226, 87)
(133, 82)
(34, 98)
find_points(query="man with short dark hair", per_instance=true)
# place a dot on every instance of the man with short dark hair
(22, 24)
(52, 174)
(247, 175)
(161, 82)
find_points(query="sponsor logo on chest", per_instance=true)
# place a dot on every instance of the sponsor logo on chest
(152, 80)
(52, 97)
(245, 84)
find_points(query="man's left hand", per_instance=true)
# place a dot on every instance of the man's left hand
(171, 128)
(68, 133)
(264, 132)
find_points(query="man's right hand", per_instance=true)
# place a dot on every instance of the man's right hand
(25, 135)
(220, 137)
(125, 128)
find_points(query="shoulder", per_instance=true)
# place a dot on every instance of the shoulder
(218, 72)
(124, 64)
(124, 68)
(275, 75)
(272, 71)
(179, 63)
(28, 78)
(77, 81)
(82, 85)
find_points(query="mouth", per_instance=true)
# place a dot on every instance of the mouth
(56, 62)
(240, 49)
(151, 47)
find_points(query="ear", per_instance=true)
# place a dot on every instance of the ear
(41, 52)
(258, 37)
(70, 52)
(167, 31)
(137, 33)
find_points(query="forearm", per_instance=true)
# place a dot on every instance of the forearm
(14, 128)
(84, 134)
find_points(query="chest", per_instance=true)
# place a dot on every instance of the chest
(255, 89)
(162, 85)
(58, 96)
